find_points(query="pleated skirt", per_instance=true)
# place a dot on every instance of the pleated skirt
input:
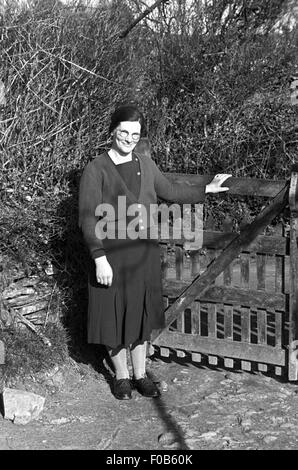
(132, 307)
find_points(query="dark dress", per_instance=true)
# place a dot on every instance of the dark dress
(132, 307)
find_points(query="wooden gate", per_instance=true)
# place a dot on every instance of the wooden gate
(234, 302)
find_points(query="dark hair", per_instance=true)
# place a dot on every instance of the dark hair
(127, 112)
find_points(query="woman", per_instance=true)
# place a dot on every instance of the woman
(125, 297)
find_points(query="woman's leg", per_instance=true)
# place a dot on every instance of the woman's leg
(142, 382)
(138, 359)
(119, 360)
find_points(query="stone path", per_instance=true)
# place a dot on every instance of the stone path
(199, 408)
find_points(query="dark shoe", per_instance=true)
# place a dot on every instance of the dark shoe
(146, 387)
(122, 389)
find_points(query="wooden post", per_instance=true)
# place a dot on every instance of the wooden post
(293, 310)
(2, 362)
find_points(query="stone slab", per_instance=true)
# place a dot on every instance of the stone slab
(21, 406)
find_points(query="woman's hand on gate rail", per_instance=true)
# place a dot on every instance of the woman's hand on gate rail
(215, 185)
(104, 272)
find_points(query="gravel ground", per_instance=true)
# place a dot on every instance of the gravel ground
(199, 409)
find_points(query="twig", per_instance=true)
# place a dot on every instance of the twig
(141, 17)
(48, 309)
(30, 325)
(82, 68)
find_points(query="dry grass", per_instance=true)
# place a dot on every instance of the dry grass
(26, 354)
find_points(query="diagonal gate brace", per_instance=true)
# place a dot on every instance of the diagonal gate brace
(219, 264)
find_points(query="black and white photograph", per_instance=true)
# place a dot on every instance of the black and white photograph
(148, 228)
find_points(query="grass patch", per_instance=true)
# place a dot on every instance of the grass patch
(26, 354)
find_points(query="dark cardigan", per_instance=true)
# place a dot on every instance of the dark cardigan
(101, 183)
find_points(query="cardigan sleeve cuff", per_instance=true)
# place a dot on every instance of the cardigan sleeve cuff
(98, 253)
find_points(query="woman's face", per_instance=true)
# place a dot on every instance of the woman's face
(126, 136)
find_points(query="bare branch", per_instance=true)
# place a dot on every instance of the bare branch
(141, 17)
(32, 327)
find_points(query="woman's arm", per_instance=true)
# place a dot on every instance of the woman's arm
(176, 192)
(90, 196)
(186, 192)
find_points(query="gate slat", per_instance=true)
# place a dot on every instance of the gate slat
(195, 264)
(245, 334)
(278, 329)
(262, 334)
(228, 322)
(164, 260)
(279, 273)
(230, 295)
(293, 297)
(179, 262)
(244, 270)
(245, 325)
(262, 326)
(261, 270)
(227, 227)
(225, 348)
(240, 186)
(265, 244)
(227, 276)
(181, 323)
(195, 318)
(212, 320)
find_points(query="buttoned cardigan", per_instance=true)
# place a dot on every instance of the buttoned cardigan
(101, 183)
